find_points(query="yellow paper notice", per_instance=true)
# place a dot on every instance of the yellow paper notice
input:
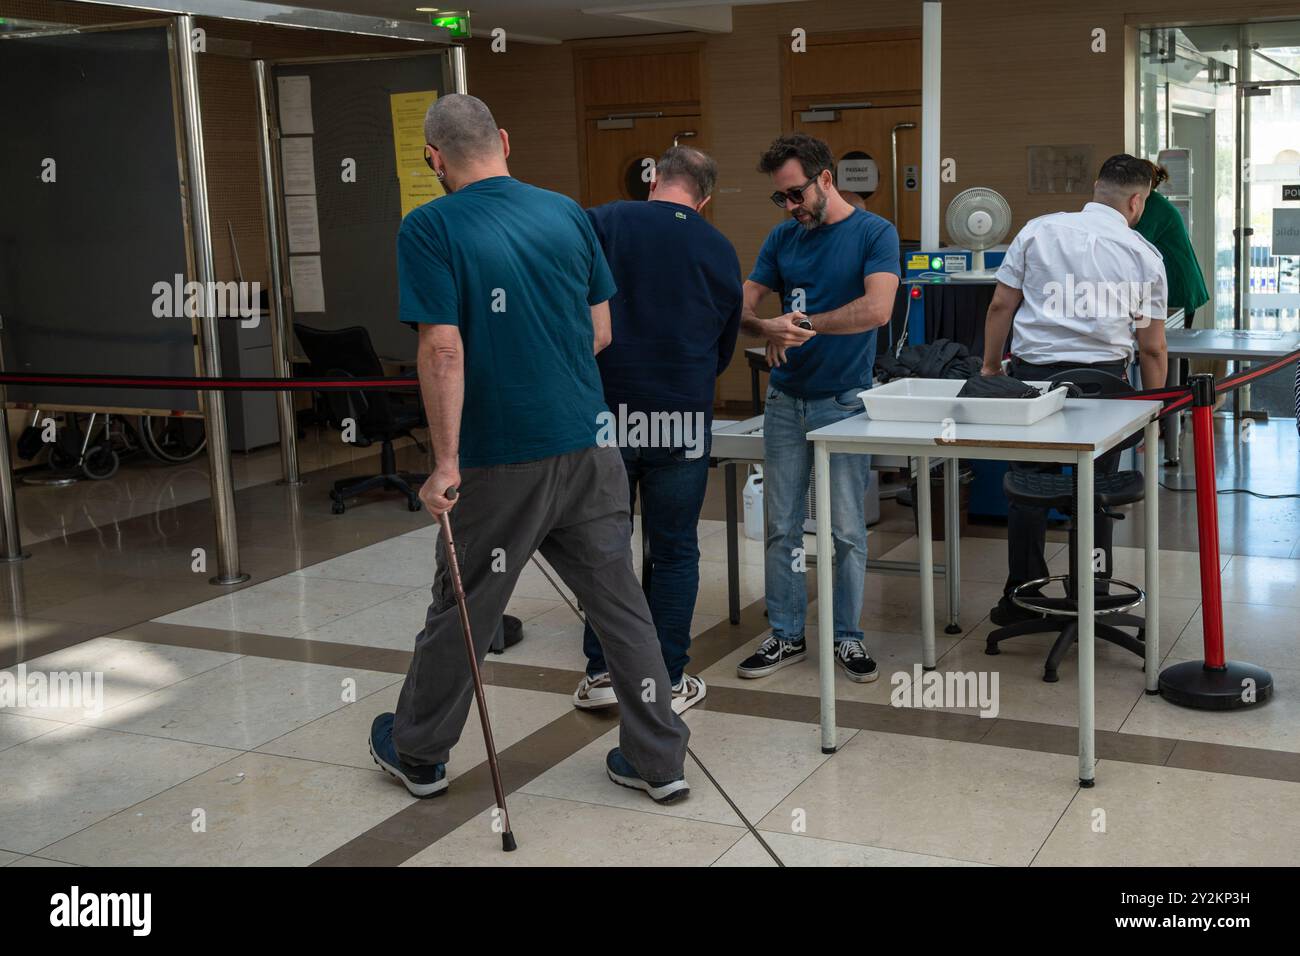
(417, 183)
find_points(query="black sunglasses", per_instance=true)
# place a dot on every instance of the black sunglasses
(794, 195)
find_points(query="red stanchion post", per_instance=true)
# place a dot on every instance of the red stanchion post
(1213, 683)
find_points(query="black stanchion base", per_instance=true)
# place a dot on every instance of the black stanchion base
(952, 629)
(1192, 684)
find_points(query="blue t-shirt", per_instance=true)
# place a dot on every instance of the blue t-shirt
(517, 269)
(829, 264)
(677, 312)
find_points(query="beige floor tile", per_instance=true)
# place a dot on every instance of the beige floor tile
(1023, 695)
(6, 857)
(38, 861)
(553, 832)
(1270, 581)
(810, 851)
(756, 760)
(712, 596)
(406, 561)
(245, 703)
(70, 778)
(342, 737)
(1162, 816)
(1273, 725)
(257, 810)
(936, 797)
(125, 670)
(1265, 636)
(286, 606)
(393, 623)
(14, 728)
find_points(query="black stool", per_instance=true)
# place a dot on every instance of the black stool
(1113, 598)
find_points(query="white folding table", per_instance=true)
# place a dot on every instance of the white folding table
(1225, 345)
(1083, 431)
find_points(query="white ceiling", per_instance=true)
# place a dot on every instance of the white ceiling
(556, 20)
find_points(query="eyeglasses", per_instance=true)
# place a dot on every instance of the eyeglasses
(794, 195)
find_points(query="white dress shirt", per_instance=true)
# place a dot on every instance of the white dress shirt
(1087, 279)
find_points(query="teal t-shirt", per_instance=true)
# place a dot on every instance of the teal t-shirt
(517, 269)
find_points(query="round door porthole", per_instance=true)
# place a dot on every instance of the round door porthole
(857, 172)
(635, 185)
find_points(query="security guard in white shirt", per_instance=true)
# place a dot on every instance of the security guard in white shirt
(1086, 291)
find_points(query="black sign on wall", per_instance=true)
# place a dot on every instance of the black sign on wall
(1291, 193)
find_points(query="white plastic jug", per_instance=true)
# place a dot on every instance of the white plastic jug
(753, 497)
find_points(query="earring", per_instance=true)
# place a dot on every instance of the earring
(440, 174)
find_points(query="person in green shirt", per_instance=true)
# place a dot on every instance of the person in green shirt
(1162, 225)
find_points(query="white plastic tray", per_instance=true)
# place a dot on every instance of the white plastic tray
(935, 400)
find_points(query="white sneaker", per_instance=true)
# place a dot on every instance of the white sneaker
(595, 693)
(688, 692)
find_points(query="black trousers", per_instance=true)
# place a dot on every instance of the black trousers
(1027, 526)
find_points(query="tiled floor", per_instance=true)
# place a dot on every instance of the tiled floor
(231, 724)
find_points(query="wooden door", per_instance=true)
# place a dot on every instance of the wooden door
(616, 157)
(868, 131)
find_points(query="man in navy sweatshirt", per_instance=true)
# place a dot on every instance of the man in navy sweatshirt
(675, 319)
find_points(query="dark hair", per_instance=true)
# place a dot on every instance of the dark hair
(813, 154)
(1158, 175)
(691, 167)
(1125, 173)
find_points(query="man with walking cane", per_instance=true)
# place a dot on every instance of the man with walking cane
(510, 290)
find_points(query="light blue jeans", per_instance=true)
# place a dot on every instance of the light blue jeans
(788, 458)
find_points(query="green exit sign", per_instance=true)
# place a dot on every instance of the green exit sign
(456, 24)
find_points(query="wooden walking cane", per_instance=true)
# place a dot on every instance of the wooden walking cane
(453, 567)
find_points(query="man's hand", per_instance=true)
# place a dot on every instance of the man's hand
(434, 491)
(784, 332)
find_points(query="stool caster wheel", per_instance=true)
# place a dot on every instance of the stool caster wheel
(991, 649)
(413, 505)
(338, 507)
(1049, 677)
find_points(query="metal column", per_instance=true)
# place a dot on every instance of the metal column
(281, 334)
(952, 542)
(459, 80)
(11, 545)
(214, 408)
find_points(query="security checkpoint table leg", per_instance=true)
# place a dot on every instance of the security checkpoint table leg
(825, 594)
(1151, 544)
(925, 549)
(733, 546)
(1174, 427)
(1085, 519)
(951, 543)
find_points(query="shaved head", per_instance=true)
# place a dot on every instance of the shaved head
(461, 126)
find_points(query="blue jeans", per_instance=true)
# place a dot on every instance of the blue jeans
(672, 490)
(788, 464)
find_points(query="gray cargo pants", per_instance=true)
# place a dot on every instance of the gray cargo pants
(574, 509)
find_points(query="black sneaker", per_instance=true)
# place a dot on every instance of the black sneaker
(773, 654)
(855, 662)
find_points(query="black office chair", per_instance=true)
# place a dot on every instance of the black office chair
(1114, 598)
(378, 416)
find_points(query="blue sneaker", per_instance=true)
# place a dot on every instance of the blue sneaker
(429, 780)
(623, 774)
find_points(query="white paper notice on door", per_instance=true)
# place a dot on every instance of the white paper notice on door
(295, 105)
(308, 284)
(298, 166)
(302, 223)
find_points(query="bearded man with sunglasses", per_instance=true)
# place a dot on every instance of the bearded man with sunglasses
(836, 269)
